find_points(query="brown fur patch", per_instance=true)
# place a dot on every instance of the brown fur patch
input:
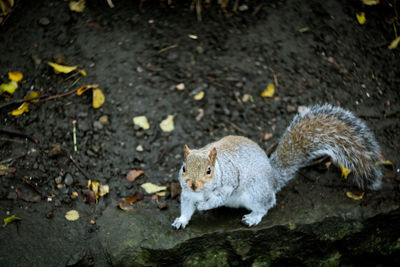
(311, 134)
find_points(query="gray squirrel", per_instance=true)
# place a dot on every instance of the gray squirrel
(236, 172)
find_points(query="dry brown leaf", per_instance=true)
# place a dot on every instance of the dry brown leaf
(133, 175)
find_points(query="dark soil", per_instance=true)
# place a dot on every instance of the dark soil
(137, 56)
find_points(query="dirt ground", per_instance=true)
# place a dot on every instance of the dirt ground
(314, 52)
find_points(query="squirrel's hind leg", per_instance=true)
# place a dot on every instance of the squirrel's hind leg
(259, 208)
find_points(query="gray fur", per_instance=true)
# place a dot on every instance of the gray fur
(245, 177)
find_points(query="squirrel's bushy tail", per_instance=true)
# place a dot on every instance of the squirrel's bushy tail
(333, 131)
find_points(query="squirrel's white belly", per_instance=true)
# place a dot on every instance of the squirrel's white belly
(238, 201)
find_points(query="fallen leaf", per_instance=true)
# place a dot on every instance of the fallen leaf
(133, 175)
(385, 163)
(269, 91)
(199, 96)
(200, 115)
(28, 192)
(161, 194)
(15, 76)
(192, 36)
(267, 136)
(93, 222)
(84, 88)
(83, 72)
(77, 6)
(180, 86)
(95, 188)
(137, 196)
(8, 87)
(152, 188)
(355, 196)
(62, 68)
(305, 29)
(142, 122)
(90, 196)
(370, 2)
(74, 194)
(33, 95)
(72, 215)
(175, 190)
(345, 171)
(10, 219)
(104, 190)
(124, 206)
(98, 98)
(162, 205)
(394, 43)
(167, 125)
(361, 17)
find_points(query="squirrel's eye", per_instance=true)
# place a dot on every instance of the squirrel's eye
(183, 169)
(208, 171)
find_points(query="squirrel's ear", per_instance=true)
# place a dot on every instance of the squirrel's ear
(213, 155)
(186, 151)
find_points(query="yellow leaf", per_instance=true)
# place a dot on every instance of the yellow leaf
(3, 167)
(95, 188)
(152, 188)
(98, 98)
(345, 171)
(167, 125)
(84, 88)
(62, 68)
(83, 72)
(370, 2)
(269, 91)
(199, 96)
(142, 122)
(8, 87)
(361, 17)
(161, 194)
(33, 95)
(11, 219)
(355, 196)
(77, 6)
(23, 108)
(394, 43)
(104, 190)
(72, 215)
(385, 163)
(15, 76)
(89, 184)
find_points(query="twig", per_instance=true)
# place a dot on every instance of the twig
(168, 48)
(14, 132)
(237, 127)
(12, 159)
(58, 96)
(79, 168)
(19, 101)
(11, 140)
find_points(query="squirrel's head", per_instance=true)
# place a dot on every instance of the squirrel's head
(198, 168)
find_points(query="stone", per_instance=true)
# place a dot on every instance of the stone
(58, 180)
(44, 21)
(68, 180)
(104, 120)
(97, 125)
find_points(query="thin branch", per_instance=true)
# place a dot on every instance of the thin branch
(14, 132)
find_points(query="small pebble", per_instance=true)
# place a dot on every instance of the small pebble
(68, 179)
(97, 125)
(44, 21)
(104, 120)
(58, 180)
(139, 148)
(291, 109)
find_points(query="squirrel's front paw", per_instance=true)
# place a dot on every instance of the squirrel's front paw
(252, 219)
(180, 222)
